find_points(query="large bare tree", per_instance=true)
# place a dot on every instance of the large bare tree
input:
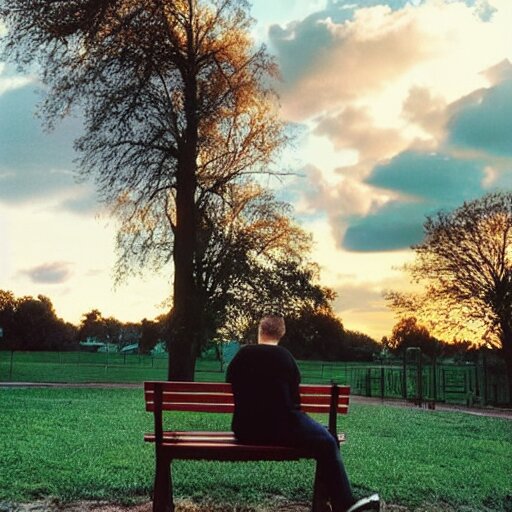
(465, 265)
(176, 104)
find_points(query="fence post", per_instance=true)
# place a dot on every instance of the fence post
(484, 379)
(404, 379)
(419, 384)
(10, 366)
(382, 382)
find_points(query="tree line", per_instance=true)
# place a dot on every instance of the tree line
(31, 323)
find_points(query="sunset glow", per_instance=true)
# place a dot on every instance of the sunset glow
(401, 108)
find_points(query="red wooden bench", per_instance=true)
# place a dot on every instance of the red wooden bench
(218, 398)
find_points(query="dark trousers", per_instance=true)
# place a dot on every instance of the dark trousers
(306, 432)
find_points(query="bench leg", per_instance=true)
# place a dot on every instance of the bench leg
(162, 495)
(320, 497)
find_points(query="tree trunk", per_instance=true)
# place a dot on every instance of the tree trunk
(186, 330)
(184, 319)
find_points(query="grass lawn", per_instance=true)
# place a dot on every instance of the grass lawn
(87, 444)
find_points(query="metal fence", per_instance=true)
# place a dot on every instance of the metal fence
(465, 384)
(469, 383)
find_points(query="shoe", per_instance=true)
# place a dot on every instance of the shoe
(370, 503)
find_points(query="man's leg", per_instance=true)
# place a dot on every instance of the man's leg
(308, 433)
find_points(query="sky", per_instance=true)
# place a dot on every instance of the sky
(401, 109)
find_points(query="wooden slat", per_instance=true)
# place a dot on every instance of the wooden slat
(200, 438)
(220, 408)
(321, 400)
(198, 398)
(212, 387)
(229, 408)
(322, 409)
(223, 398)
(321, 389)
(217, 397)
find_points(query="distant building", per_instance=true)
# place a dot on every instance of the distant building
(92, 345)
(130, 349)
(159, 349)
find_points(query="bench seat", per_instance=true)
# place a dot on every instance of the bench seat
(197, 445)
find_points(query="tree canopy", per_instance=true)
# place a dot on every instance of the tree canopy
(176, 106)
(464, 264)
(30, 323)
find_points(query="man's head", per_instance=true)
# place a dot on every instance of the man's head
(271, 329)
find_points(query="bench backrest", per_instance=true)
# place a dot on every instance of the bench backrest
(217, 397)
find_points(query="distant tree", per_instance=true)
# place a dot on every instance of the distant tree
(113, 330)
(93, 326)
(151, 332)
(465, 265)
(130, 333)
(314, 335)
(176, 103)
(359, 347)
(320, 335)
(409, 333)
(7, 311)
(32, 324)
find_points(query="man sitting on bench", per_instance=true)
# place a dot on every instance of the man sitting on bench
(265, 380)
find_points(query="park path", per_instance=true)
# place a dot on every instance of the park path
(493, 412)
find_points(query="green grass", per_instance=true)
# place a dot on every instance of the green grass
(92, 367)
(87, 444)
(102, 367)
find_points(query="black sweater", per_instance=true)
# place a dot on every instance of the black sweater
(265, 381)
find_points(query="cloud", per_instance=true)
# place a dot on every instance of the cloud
(395, 226)
(23, 143)
(403, 87)
(354, 50)
(330, 58)
(436, 177)
(427, 111)
(49, 273)
(354, 128)
(10, 81)
(361, 297)
(80, 200)
(425, 184)
(35, 165)
(483, 120)
(421, 183)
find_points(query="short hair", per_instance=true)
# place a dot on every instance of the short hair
(272, 326)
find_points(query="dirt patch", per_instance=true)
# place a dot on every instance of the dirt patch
(187, 506)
